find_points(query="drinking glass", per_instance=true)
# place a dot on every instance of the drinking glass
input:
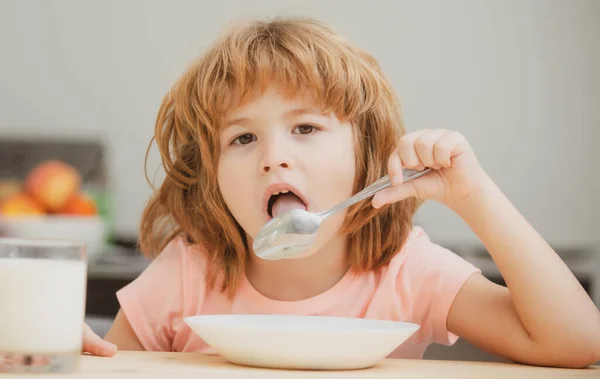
(42, 305)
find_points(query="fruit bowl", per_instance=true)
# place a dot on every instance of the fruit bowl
(50, 204)
(90, 230)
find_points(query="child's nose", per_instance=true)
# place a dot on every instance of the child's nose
(267, 168)
(276, 155)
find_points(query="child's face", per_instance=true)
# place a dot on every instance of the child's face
(287, 143)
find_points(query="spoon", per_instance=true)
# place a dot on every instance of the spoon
(291, 232)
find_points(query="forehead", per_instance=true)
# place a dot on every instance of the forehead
(274, 101)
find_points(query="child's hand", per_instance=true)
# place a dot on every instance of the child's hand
(93, 344)
(457, 172)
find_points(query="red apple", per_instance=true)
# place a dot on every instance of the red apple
(52, 184)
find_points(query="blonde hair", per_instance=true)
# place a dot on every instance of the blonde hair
(302, 55)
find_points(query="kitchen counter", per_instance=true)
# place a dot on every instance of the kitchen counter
(129, 364)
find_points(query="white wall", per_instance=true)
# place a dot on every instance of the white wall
(519, 78)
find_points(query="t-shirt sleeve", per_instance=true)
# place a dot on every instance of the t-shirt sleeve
(432, 276)
(153, 302)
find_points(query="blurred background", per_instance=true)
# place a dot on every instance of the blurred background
(81, 83)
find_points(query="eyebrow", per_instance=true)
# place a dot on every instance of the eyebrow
(237, 121)
(301, 111)
(293, 112)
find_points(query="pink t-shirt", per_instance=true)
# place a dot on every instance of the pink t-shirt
(418, 285)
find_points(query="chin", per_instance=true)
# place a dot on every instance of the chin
(305, 254)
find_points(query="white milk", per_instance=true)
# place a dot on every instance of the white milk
(42, 305)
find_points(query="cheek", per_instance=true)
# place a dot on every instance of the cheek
(337, 182)
(227, 182)
(337, 172)
(334, 184)
(235, 186)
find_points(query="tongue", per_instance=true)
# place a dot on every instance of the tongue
(286, 202)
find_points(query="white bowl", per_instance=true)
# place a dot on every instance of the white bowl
(90, 230)
(301, 342)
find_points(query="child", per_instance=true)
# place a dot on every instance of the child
(286, 114)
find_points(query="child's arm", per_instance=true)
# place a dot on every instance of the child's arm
(544, 317)
(121, 334)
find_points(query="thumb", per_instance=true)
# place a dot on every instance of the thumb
(93, 344)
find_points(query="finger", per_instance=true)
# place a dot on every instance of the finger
(406, 150)
(99, 347)
(448, 146)
(441, 153)
(93, 344)
(424, 147)
(393, 194)
(395, 168)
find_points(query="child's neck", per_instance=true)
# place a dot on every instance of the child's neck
(299, 279)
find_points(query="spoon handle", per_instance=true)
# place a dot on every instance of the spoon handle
(369, 191)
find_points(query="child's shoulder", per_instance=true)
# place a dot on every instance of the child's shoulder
(172, 285)
(419, 255)
(181, 260)
(417, 243)
(180, 249)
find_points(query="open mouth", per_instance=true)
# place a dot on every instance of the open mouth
(282, 201)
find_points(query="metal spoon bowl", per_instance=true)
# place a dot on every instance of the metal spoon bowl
(291, 233)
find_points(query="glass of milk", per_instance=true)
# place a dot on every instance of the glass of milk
(42, 305)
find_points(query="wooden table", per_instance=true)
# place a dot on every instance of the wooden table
(129, 365)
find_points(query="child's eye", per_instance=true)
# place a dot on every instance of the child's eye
(305, 129)
(244, 139)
